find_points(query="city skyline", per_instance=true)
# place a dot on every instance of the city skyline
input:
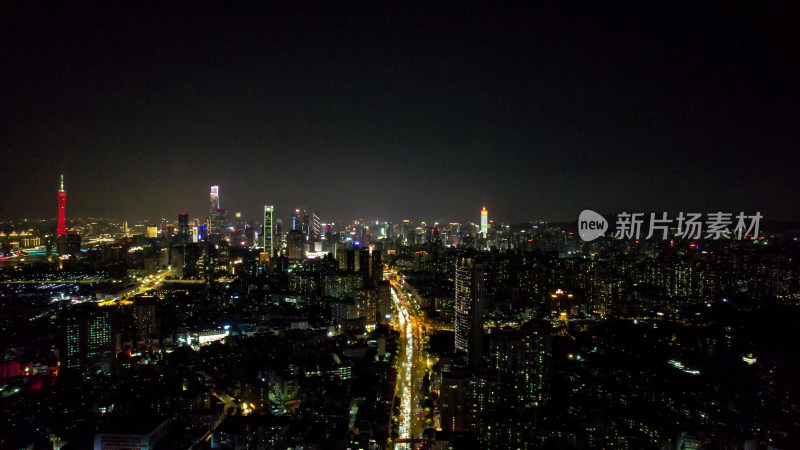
(378, 226)
(216, 213)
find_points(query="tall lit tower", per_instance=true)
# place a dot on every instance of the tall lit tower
(62, 203)
(484, 222)
(214, 199)
(268, 229)
(469, 305)
(213, 210)
(300, 221)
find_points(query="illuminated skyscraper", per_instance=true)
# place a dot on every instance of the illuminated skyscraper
(278, 235)
(484, 222)
(301, 222)
(213, 210)
(306, 229)
(62, 203)
(316, 226)
(268, 242)
(469, 301)
(297, 220)
(214, 200)
(219, 224)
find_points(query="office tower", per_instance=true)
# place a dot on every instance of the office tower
(376, 265)
(364, 256)
(405, 225)
(62, 203)
(316, 226)
(297, 220)
(214, 198)
(301, 222)
(145, 315)
(237, 231)
(340, 254)
(351, 260)
(213, 209)
(278, 236)
(484, 222)
(249, 234)
(267, 240)
(183, 226)
(367, 261)
(469, 303)
(89, 345)
(295, 245)
(177, 258)
(219, 222)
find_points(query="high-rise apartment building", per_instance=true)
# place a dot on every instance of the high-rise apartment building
(469, 304)
(89, 344)
(522, 359)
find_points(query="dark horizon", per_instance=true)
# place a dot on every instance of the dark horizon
(374, 112)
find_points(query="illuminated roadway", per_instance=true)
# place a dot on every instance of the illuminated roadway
(411, 364)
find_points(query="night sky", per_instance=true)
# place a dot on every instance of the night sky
(420, 112)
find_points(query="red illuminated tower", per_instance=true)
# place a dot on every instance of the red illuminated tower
(62, 202)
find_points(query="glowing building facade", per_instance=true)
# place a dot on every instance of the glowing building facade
(213, 211)
(62, 203)
(469, 287)
(268, 242)
(89, 343)
(484, 222)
